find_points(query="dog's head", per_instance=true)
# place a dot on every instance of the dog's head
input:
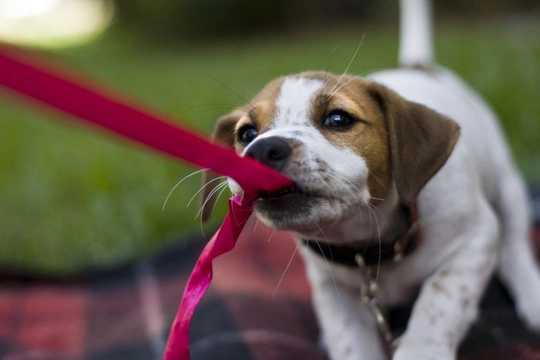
(343, 141)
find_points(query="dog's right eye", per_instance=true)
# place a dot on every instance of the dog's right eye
(247, 134)
(338, 120)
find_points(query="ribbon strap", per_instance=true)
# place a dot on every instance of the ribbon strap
(50, 87)
(86, 102)
(224, 240)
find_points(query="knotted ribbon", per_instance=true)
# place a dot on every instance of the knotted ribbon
(46, 84)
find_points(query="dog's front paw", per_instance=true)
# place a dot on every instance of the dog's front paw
(423, 353)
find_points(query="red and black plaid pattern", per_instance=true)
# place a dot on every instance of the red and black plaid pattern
(258, 308)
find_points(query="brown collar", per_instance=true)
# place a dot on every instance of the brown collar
(395, 250)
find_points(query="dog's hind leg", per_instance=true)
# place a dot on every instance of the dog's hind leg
(518, 267)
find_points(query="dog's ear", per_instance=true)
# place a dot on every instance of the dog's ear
(224, 134)
(420, 140)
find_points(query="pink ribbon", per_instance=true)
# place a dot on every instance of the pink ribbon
(31, 78)
(224, 240)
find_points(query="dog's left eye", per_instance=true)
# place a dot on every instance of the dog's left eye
(338, 120)
(247, 134)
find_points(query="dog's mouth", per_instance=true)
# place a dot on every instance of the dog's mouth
(280, 194)
(297, 208)
(281, 208)
(291, 191)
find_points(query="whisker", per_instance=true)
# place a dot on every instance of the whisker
(369, 238)
(286, 268)
(257, 220)
(352, 79)
(350, 62)
(230, 90)
(380, 245)
(352, 187)
(342, 178)
(338, 177)
(271, 235)
(344, 84)
(207, 107)
(223, 188)
(380, 212)
(217, 199)
(328, 64)
(178, 183)
(369, 71)
(202, 228)
(202, 188)
(377, 179)
(216, 189)
(371, 221)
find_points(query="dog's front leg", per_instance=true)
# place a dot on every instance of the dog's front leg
(348, 326)
(449, 299)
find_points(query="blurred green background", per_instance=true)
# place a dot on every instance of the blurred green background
(72, 199)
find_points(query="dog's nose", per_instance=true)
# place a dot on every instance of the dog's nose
(273, 152)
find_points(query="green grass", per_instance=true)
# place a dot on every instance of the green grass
(72, 198)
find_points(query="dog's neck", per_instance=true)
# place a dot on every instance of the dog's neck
(365, 223)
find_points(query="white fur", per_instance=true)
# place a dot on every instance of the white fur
(473, 211)
(415, 32)
(474, 215)
(294, 101)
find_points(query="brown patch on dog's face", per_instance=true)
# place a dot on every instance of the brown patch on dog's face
(261, 111)
(367, 137)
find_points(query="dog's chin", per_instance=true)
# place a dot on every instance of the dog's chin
(296, 210)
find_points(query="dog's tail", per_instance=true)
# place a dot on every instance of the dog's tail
(416, 48)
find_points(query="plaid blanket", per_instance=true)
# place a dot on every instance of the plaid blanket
(258, 308)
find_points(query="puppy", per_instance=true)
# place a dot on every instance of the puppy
(379, 163)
